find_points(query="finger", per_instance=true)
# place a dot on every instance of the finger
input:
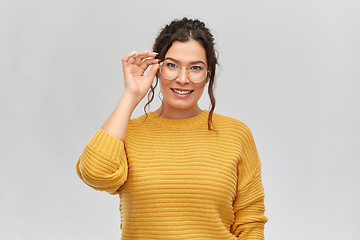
(128, 56)
(137, 57)
(153, 71)
(146, 63)
(152, 54)
(140, 56)
(143, 55)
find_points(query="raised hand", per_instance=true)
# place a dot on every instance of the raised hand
(134, 67)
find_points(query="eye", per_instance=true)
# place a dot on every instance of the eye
(171, 65)
(196, 68)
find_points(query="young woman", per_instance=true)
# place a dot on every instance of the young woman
(181, 172)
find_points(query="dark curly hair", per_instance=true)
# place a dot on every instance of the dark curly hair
(184, 30)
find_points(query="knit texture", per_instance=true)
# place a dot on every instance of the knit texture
(178, 180)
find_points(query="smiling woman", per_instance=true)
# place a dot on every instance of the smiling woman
(182, 82)
(181, 172)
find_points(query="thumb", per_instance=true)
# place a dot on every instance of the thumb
(153, 71)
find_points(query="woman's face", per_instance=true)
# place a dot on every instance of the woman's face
(181, 96)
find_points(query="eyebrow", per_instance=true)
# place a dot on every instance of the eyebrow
(195, 62)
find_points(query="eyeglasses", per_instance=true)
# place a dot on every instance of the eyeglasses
(195, 73)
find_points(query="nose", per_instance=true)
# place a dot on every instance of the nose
(183, 78)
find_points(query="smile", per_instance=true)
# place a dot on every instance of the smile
(182, 92)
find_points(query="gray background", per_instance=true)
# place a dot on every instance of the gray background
(289, 69)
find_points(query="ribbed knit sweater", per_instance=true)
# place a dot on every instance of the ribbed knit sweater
(178, 180)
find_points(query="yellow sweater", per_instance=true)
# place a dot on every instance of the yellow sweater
(178, 180)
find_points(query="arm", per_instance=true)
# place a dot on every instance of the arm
(103, 163)
(136, 87)
(249, 203)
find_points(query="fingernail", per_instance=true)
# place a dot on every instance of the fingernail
(133, 52)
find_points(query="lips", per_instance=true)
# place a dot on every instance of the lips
(182, 92)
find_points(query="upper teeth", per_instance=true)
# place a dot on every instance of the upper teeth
(182, 92)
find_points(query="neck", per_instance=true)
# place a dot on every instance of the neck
(169, 113)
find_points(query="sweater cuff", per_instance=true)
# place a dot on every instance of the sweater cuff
(106, 144)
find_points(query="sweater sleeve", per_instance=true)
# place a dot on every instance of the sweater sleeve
(249, 202)
(103, 163)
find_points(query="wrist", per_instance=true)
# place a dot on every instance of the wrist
(129, 99)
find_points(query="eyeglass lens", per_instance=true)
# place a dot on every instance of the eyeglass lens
(195, 73)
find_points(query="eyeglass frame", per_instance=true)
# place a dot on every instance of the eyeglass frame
(187, 72)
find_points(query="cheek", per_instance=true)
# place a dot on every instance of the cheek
(162, 82)
(202, 86)
(164, 85)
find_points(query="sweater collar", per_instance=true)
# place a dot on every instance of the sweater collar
(180, 123)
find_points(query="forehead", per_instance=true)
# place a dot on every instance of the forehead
(187, 52)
